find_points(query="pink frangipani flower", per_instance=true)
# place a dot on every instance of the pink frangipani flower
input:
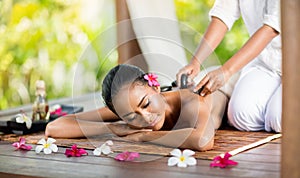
(152, 80)
(21, 145)
(75, 152)
(127, 156)
(222, 162)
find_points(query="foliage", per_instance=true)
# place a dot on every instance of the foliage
(194, 15)
(44, 39)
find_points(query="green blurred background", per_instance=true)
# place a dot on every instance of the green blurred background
(48, 39)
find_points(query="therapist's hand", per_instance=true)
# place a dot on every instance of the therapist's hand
(212, 81)
(192, 69)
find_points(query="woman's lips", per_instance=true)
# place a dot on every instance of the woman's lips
(155, 121)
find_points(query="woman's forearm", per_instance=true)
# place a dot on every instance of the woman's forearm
(250, 50)
(70, 127)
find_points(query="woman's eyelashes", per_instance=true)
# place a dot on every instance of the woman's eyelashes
(147, 104)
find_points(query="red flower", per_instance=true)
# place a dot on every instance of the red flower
(58, 112)
(75, 152)
(152, 80)
(21, 145)
(222, 162)
(127, 156)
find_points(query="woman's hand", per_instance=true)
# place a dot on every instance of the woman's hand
(192, 69)
(212, 81)
(122, 129)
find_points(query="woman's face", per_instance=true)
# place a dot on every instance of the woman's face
(140, 106)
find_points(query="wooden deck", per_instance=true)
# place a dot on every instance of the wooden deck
(263, 161)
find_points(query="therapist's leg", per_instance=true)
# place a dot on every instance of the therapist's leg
(273, 112)
(247, 105)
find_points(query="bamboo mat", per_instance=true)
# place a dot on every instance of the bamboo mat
(225, 141)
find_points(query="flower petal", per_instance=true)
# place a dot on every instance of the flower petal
(231, 162)
(53, 147)
(42, 141)
(81, 151)
(181, 164)
(173, 161)
(51, 140)
(25, 147)
(22, 141)
(191, 161)
(187, 153)
(106, 150)
(132, 156)
(39, 148)
(19, 119)
(97, 152)
(47, 151)
(28, 123)
(109, 142)
(68, 152)
(176, 152)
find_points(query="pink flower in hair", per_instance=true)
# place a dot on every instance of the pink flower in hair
(152, 80)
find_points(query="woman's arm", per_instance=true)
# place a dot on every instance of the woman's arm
(81, 124)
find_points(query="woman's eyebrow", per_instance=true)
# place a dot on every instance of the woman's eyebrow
(142, 100)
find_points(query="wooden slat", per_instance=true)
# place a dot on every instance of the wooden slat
(88, 166)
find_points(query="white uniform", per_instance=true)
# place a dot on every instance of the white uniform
(256, 101)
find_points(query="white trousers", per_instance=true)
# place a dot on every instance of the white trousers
(256, 101)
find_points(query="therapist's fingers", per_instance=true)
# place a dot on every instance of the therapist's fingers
(201, 84)
(190, 70)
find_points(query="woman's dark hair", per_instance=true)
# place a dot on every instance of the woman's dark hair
(116, 78)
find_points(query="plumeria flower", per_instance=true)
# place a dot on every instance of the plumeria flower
(127, 156)
(152, 80)
(104, 148)
(21, 118)
(48, 146)
(21, 145)
(75, 152)
(183, 159)
(223, 161)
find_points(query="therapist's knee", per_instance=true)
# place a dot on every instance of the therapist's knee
(273, 121)
(244, 116)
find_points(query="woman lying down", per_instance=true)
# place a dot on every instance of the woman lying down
(136, 110)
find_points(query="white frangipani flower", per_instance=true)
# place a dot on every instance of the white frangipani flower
(183, 159)
(21, 118)
(104, 148)
(48, 146)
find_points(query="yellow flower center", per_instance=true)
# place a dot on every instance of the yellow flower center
(46, 145)
(182, 158)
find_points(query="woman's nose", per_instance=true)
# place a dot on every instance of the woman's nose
(145, 115)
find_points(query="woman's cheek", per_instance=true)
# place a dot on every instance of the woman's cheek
(157, 104)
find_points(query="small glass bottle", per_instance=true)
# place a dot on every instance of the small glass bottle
(40, 106)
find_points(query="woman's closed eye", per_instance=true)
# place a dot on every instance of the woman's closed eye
(147, 104)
